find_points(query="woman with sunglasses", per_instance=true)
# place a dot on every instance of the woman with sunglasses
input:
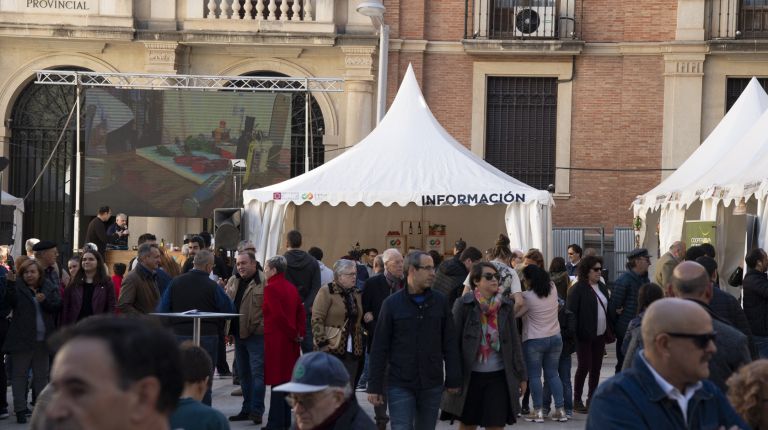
(588, 300)
(90, 291)
(492, 359)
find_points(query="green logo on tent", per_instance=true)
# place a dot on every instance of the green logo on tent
(298, 372)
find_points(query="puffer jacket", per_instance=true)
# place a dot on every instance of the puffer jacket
(624, 296)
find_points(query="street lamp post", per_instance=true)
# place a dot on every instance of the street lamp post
(375, 11)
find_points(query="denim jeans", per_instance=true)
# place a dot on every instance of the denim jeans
(364, 375)
(210, 345)
(544, 354)
(413, 410)
(564, 370)
(761, 342)
(250, 367)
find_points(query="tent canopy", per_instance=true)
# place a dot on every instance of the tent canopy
(18, 219)
(409, 159)
(709, 164)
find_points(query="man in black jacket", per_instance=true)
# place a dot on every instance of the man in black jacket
(97, 230)
(414, 337)
(450, 277)
(756, 298)
(303, 272)
(195, 290)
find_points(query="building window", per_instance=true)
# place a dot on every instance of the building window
(735, 86)
(521, 124)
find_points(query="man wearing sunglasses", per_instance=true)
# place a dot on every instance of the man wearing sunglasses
(691, 282)
(321, 396)
(667, 385)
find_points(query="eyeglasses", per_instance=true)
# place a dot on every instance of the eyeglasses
(349, 274)
(596, 269)
(489, 276)
(307, 401)
(427, 268)
(700, 340)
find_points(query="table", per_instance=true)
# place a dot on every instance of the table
(196, 317)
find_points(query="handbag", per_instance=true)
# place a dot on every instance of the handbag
(736, 277)
(609, 335)
(333, 335)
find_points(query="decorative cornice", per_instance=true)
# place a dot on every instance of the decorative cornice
(359, 62)
(165, 57)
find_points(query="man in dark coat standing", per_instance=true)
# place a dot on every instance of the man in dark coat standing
(451, 275)
(196, 290)
(755, 286)
(284, 327)
(303, 272)
(97, 230)
(622, 306)
(414, 338)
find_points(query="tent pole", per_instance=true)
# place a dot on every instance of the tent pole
(306, 127)
(78, 168)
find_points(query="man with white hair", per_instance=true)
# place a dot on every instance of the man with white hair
(29, 244)
(117, 233)
(667, 263)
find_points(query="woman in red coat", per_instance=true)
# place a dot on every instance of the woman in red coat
(284, 320)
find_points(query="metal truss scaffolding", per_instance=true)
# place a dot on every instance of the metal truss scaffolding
(189, 82)
(180, 82)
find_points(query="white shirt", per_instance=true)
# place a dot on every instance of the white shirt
(601, 320)
(673, 393)
(326, 274)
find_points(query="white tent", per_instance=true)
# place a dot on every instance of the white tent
(18, 219)
(410, 160)
(722, 154)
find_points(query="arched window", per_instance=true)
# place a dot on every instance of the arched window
(37, 119)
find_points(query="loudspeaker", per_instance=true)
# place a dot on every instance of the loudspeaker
(226, 224)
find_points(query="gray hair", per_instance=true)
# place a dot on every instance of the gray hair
(341, 266)
(121, 216)
(30, 243)
(203, 258)
(279, 263)
(245, 244)
(145, 249)
(378, 261)
(389, 254)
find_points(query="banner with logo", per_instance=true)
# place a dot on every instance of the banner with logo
(699, 232)
(436, 243)
(397, 242)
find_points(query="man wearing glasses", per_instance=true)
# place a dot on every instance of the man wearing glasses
(414, 337)
(321, 396)
(667, 385)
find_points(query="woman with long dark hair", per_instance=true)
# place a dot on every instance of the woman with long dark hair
(588, 300)
(90, 291)
(492, 358)
(33, 299)
(542, 343)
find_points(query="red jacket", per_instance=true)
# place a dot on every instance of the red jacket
(284, 321)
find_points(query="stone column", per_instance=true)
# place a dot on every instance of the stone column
(358, 86)
(683, 87)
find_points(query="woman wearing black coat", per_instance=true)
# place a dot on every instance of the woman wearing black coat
(588, 300)
(32, 296)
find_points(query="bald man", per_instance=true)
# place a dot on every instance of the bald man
(690, 281)
(667, 386)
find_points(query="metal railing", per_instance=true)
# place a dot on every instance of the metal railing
(521, 19)
(736, 19)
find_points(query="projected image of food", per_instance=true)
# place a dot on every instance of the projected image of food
(167, 153)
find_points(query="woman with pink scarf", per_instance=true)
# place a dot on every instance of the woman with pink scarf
(493, 369)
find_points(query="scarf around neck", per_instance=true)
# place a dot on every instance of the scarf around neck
(489, 311)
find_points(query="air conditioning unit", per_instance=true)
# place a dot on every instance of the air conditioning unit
(535, 21)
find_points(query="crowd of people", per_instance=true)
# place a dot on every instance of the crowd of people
(496, 332)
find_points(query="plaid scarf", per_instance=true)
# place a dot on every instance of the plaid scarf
(489, 311)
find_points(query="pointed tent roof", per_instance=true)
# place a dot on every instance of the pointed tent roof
(686, 182)
(408, 158)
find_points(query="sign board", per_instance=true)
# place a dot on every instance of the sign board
(699, 232)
